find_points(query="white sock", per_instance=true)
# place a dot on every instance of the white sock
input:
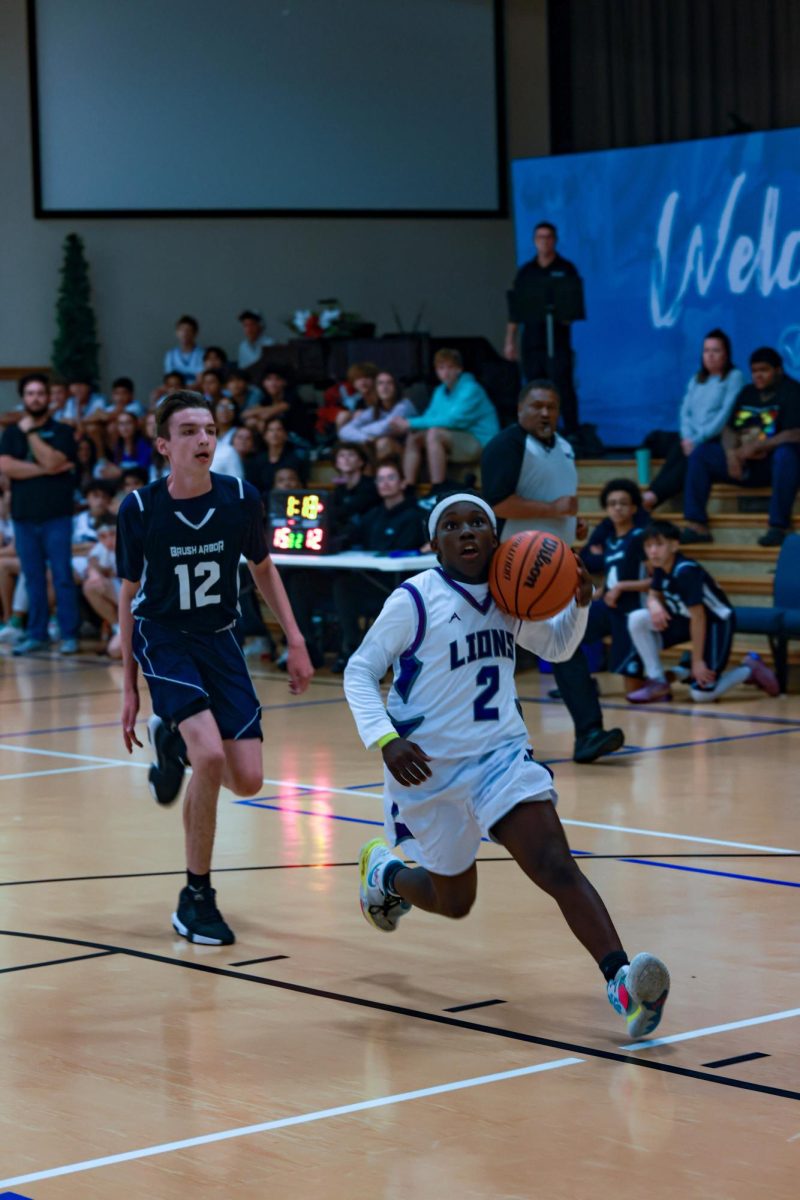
(647, 643)
(723, 685)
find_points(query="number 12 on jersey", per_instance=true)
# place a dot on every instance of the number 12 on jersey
(206, 574)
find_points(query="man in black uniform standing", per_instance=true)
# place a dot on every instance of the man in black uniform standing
(178, 548)
(527, 342)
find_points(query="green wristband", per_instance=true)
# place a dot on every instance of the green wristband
(387, 737)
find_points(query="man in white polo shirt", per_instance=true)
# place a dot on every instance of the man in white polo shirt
(529, 477)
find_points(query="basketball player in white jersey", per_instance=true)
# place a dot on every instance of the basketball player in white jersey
(471, 773)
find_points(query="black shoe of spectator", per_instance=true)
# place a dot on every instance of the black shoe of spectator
(339, 665)
(597, 743)
(775, 536)
(694, 536)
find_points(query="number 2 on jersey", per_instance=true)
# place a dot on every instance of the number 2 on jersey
(206, 574)
(489, 679)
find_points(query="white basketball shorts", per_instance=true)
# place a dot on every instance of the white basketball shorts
(439, 824)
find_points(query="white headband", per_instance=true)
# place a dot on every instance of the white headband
(458, 498)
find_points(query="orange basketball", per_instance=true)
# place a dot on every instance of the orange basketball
(533, 575)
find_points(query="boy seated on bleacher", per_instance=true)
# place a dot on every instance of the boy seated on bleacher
(615, 550)
(684, 604)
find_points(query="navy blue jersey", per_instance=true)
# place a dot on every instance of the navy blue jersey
(622, 559)
(687, 585)
(185, 553)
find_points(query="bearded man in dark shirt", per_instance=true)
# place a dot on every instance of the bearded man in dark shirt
(38, 456)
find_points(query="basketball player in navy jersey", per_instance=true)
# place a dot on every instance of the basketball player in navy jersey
(469, 773)
(178, 548)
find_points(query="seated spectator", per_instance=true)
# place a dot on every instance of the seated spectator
(185, 359)
(131, 448)
(362, 377)
(59, 396)
(172, 382)
(132, 479)
(242, 391)
(280, 399)
(704, 412)
(280, 453)
(287, 479)
(354, 493)
(122, 400)
(226, 418)
(159, 466)
(98, 496)
(344, 398)
(85, 464)
(371, 424)
(759, 447)
(212, 384)
(255, 338)
(455, 426)
(615, 549)
(82, 402)
(12, 621)
(685, 604)
(250, 448)
(215, 359)
(394, 524)
(101, 586)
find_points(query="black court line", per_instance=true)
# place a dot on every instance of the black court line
(580, 854)
(478, 1004)
(419, 1015)
(250, 962)
(739, 1058)
(54, 962)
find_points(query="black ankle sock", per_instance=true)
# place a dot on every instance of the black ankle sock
(389, 876)
(612, 963)
(198, 882)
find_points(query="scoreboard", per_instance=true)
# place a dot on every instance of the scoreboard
(298, 522)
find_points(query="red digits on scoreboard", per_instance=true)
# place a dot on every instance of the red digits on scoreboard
(314, 539)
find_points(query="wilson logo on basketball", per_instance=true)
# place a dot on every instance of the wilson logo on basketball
(544, 558)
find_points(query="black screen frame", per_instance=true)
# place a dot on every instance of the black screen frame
(502, 166)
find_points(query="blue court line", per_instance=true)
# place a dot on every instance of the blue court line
(671, 710)
(642, 862)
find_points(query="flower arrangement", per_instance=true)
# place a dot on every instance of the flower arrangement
(329, 320)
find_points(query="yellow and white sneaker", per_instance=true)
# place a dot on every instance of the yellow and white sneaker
(381, 910)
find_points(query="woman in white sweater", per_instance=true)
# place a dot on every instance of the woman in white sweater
(704, 412)
(372, 424)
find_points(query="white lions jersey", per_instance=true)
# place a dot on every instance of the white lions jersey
(452, 653)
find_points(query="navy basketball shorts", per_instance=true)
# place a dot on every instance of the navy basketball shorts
(188, 673)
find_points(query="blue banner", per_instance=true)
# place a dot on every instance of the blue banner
(671, 241)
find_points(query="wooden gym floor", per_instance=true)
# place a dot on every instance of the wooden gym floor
(319, 1058)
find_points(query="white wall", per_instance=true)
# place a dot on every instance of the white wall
(146, 272)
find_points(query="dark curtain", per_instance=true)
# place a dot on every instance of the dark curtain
(633, 72)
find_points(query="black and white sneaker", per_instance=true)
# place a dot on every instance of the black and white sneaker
(198, 919)
(166, 773)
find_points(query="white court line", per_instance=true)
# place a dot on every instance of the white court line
(656, 833)
(336, 791)
(697, 1033)
(55, 771)
(90, 758)
(285, 1122)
